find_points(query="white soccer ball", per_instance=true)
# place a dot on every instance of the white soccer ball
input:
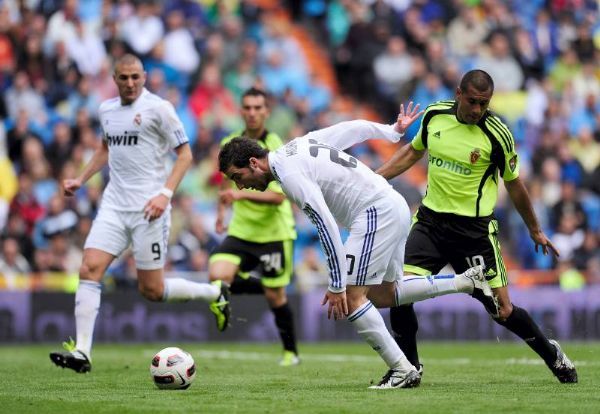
(173, 369)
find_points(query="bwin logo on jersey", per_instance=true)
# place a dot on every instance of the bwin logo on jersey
(128, 139)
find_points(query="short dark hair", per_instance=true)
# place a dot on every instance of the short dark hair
(238, 152)
(256, 92)
(128, 59)
(477, 78)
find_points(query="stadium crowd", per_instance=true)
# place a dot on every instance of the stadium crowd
(56, 67)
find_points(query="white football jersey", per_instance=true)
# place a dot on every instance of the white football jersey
(139, 137)
(329, 184)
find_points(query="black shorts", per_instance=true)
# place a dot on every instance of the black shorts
(436, 239)
(272, 262)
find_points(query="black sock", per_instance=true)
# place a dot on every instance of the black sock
(251, 286)
(404, 328)
(520, 323)
(284, 319)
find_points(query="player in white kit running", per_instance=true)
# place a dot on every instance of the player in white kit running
(330, 185)
(139, 131)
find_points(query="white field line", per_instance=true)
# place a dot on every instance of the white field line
(264, 356)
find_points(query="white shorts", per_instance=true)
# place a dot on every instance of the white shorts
(112, 231)
(375, 246)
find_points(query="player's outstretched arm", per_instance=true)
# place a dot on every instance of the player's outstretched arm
(99, 160)
(520, 198)
(401, 161)
(344, 135)
(157, 205)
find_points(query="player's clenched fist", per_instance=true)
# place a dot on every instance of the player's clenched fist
(70, 186)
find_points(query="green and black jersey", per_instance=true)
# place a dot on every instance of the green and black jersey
(464, 160)
(261, 222)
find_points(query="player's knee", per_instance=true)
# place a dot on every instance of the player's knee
(276, 297)
(224, 277)
(89, 270)
(504, 311)
(220, 271)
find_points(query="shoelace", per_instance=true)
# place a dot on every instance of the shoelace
(386, 377)
(70, 345)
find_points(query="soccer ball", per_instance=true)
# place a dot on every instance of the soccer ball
(173, 369)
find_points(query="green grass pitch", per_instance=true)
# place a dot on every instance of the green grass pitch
(333, 378)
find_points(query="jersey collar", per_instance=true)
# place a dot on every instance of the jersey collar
(131, 105)
(262, 138)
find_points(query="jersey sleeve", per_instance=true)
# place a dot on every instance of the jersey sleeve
(308, 196)
(170, 126)
(417, 141)
(509, 163)
(346, 134)
(275, 187)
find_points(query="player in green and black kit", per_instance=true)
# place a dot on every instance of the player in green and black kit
(468, 148)
(257, 254)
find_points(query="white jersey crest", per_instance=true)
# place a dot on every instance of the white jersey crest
(329, 184)
(139, 138)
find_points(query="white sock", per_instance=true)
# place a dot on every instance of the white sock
(370, 326)
(412, 288)
(87, 304)
(182, 290)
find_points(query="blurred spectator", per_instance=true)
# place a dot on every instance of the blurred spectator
(393, 68)
(589, 252)
(586, 83)
(353, 59)
(466, 33)
(528, 56)
(564, 69)
(83, 97)
(12, 262)
(22, 97)
(103, 83)
(311, 271)
(61, 25)
(568, 237)
(86, 49)
(584, 44)
(61, 75)
(210, 94)
(568, 205)
(545, 34)
(192, 239)
(232, 30)
(8, 58)
(16, 137)
(586, 150)
(33, 62)
(143, 30)
(501, 65)
(65, 256)
(569, 278)
(58, 220)
(180, 50)
(61, 147)
(25, 205)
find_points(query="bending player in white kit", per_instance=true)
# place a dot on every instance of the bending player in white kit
(139, 130)
(329, 185)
